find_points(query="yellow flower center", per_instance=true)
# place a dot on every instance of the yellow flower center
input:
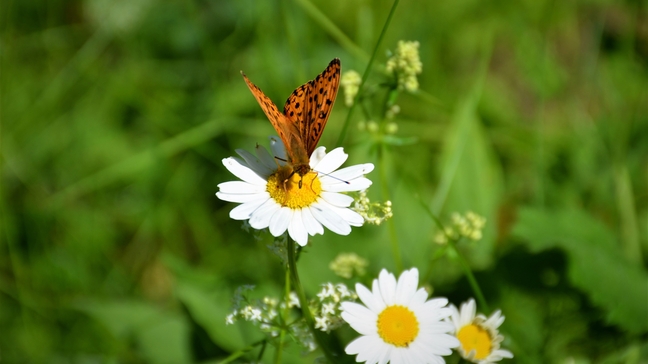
(397, 325)
(475, 337)
(292, 190)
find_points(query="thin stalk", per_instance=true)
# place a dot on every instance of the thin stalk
(286, 312)
(471, 278)
(365, 75)
(237, 354)
(393, 236)
(452, 243)
(308, 316)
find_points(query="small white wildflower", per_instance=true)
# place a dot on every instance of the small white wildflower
(230, 319)
(293, 300)
(328, 308)
(391, 128)
(321, 323)
(405, 64)
(372, 212)
(350, 82)
(469, 226)
(346, 264)
(392, 111)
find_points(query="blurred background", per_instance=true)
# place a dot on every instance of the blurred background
(116, 114)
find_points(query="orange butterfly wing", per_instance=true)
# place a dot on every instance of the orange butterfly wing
(305, 114)
(286, 129)
(310, 105)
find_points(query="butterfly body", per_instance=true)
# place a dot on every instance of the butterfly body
(304, 116)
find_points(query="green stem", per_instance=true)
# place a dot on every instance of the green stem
(241, 352)
(286, 313)
(308, 316)
(452, 243)
(471, 278)
(365, 75)
(393, 236)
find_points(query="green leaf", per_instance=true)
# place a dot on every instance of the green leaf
(596, 263)
(471, 177)
(163, 336)
(208, 309)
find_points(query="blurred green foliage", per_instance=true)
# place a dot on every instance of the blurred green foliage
(116, 114)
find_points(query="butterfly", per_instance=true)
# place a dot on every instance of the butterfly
(304, 116)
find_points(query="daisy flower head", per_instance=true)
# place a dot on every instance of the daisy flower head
(397, 322)
(272, 196)
(479, 337)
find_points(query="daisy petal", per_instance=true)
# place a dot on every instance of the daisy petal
(279, 221)
(242, 172)
(239, 187)
(336, 199)
(329, 218)
(255, 164)
(312, 225)
(243, 211)
(331, 161)
(260, 218)
(296, 228)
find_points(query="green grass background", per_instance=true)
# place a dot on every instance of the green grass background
(115, 116)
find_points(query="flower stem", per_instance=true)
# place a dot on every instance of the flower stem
(285, 314)
(471, 277)
(308, 316)
(365, 75)
(241, 352)
(452, 243)
(393, 236)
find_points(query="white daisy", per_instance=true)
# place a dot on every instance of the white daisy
(479, 336)
(272, 196)
(398, 325)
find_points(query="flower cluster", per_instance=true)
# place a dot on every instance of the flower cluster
(267, 313)
(469, 226)
(350, 82)
(405, 65)
(372, 212)
(326, 308)
(479, 336)
(346, 264)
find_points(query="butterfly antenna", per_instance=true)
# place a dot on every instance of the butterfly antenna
(339, 179)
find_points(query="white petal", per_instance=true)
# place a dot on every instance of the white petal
(243, 212)
(387, 283)
(350, 173)
(365, 348)
(406, 286)
(336, 199)
(242, 198)
(332, 161)
(278, 150)
(316, 156)
(260, 218)
(349, 216)
(296, 228)
(357, 184)
(312, 225)
(279, 221)
(372, 300)
(265, 158)
(255, 163)
(327, 217)
(467, 312)
(360, 318)
(234, 187)
(242, 172)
